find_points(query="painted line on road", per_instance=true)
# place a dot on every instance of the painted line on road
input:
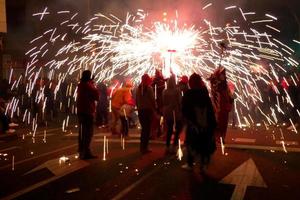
(42, 155)
(133, 141)
(39, 184)
(10, 148)
(287, 142)
(244, 140)
(241, 146)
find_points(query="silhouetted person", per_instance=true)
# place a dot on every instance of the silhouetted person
(158, 85)
(200, 120)
(172, 113)
(87, 94)
(222, 100)
(146, 108)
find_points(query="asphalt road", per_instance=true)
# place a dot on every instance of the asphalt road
(47, 168)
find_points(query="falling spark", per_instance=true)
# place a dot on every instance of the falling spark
(179, 151)
(222, 145)
(104, 148)
(44, 139)
(283, 146)
(292, 123)
(107, 146)
(123, 143)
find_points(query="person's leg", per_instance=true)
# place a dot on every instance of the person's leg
(89, 134)
(169, 132)
(115, 118)
(144, 117)
(177, 132)
(123, 125)
(80, 132)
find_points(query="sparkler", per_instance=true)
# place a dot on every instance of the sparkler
(110, 46)
(104, 148)
(179, 151)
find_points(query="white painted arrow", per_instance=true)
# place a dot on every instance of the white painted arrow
(244, 175)
(62, 166)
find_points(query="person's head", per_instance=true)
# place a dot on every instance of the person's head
(146, 80)
(158, 73)
(171, 83)
(184, 79)
(195, 81)
(128, 83)
(86, 76)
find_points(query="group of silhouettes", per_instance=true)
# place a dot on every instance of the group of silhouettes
(185, 105)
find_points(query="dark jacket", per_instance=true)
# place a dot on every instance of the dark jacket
(199, 115)
(87, 94)
(145, 98)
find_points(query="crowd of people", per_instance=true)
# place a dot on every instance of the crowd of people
(161, 107)
(185, 106)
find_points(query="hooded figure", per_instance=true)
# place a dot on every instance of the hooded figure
(222, 100)
(146, 108)
(172, 112)
(200, 121)
(87, 94)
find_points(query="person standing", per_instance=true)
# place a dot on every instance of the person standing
(87, 94)
(200, 121)
(222, 100)
(145, 102)
(121, 97)
(158, 85)
(172, 113)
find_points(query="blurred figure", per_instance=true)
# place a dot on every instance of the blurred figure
(122, 96)
(102, 106)
(200, 120)
(183, 84)
(172, 113)
(87, 94)
(222, 100)
(158, 85)
(6, 126)
(145, 102)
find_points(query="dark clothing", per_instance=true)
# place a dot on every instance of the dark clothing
(87, 94)
(159, 84)
(172, 111)
(86, 130)
(145, 116)
(200, 121)
(146, 107)
(170, 130)
(124, 125)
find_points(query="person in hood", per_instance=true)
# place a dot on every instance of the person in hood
(145, 102)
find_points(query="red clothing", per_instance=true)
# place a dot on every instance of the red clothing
(87, 94)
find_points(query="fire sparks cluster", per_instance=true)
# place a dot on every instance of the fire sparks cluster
(110, 46)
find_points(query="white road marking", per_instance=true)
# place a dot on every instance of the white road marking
(244, 140)
(9, 148)
(243, 176)
(59, 170)
(287, 142)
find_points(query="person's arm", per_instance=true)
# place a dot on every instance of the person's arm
(151, 97)
(94, 91)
